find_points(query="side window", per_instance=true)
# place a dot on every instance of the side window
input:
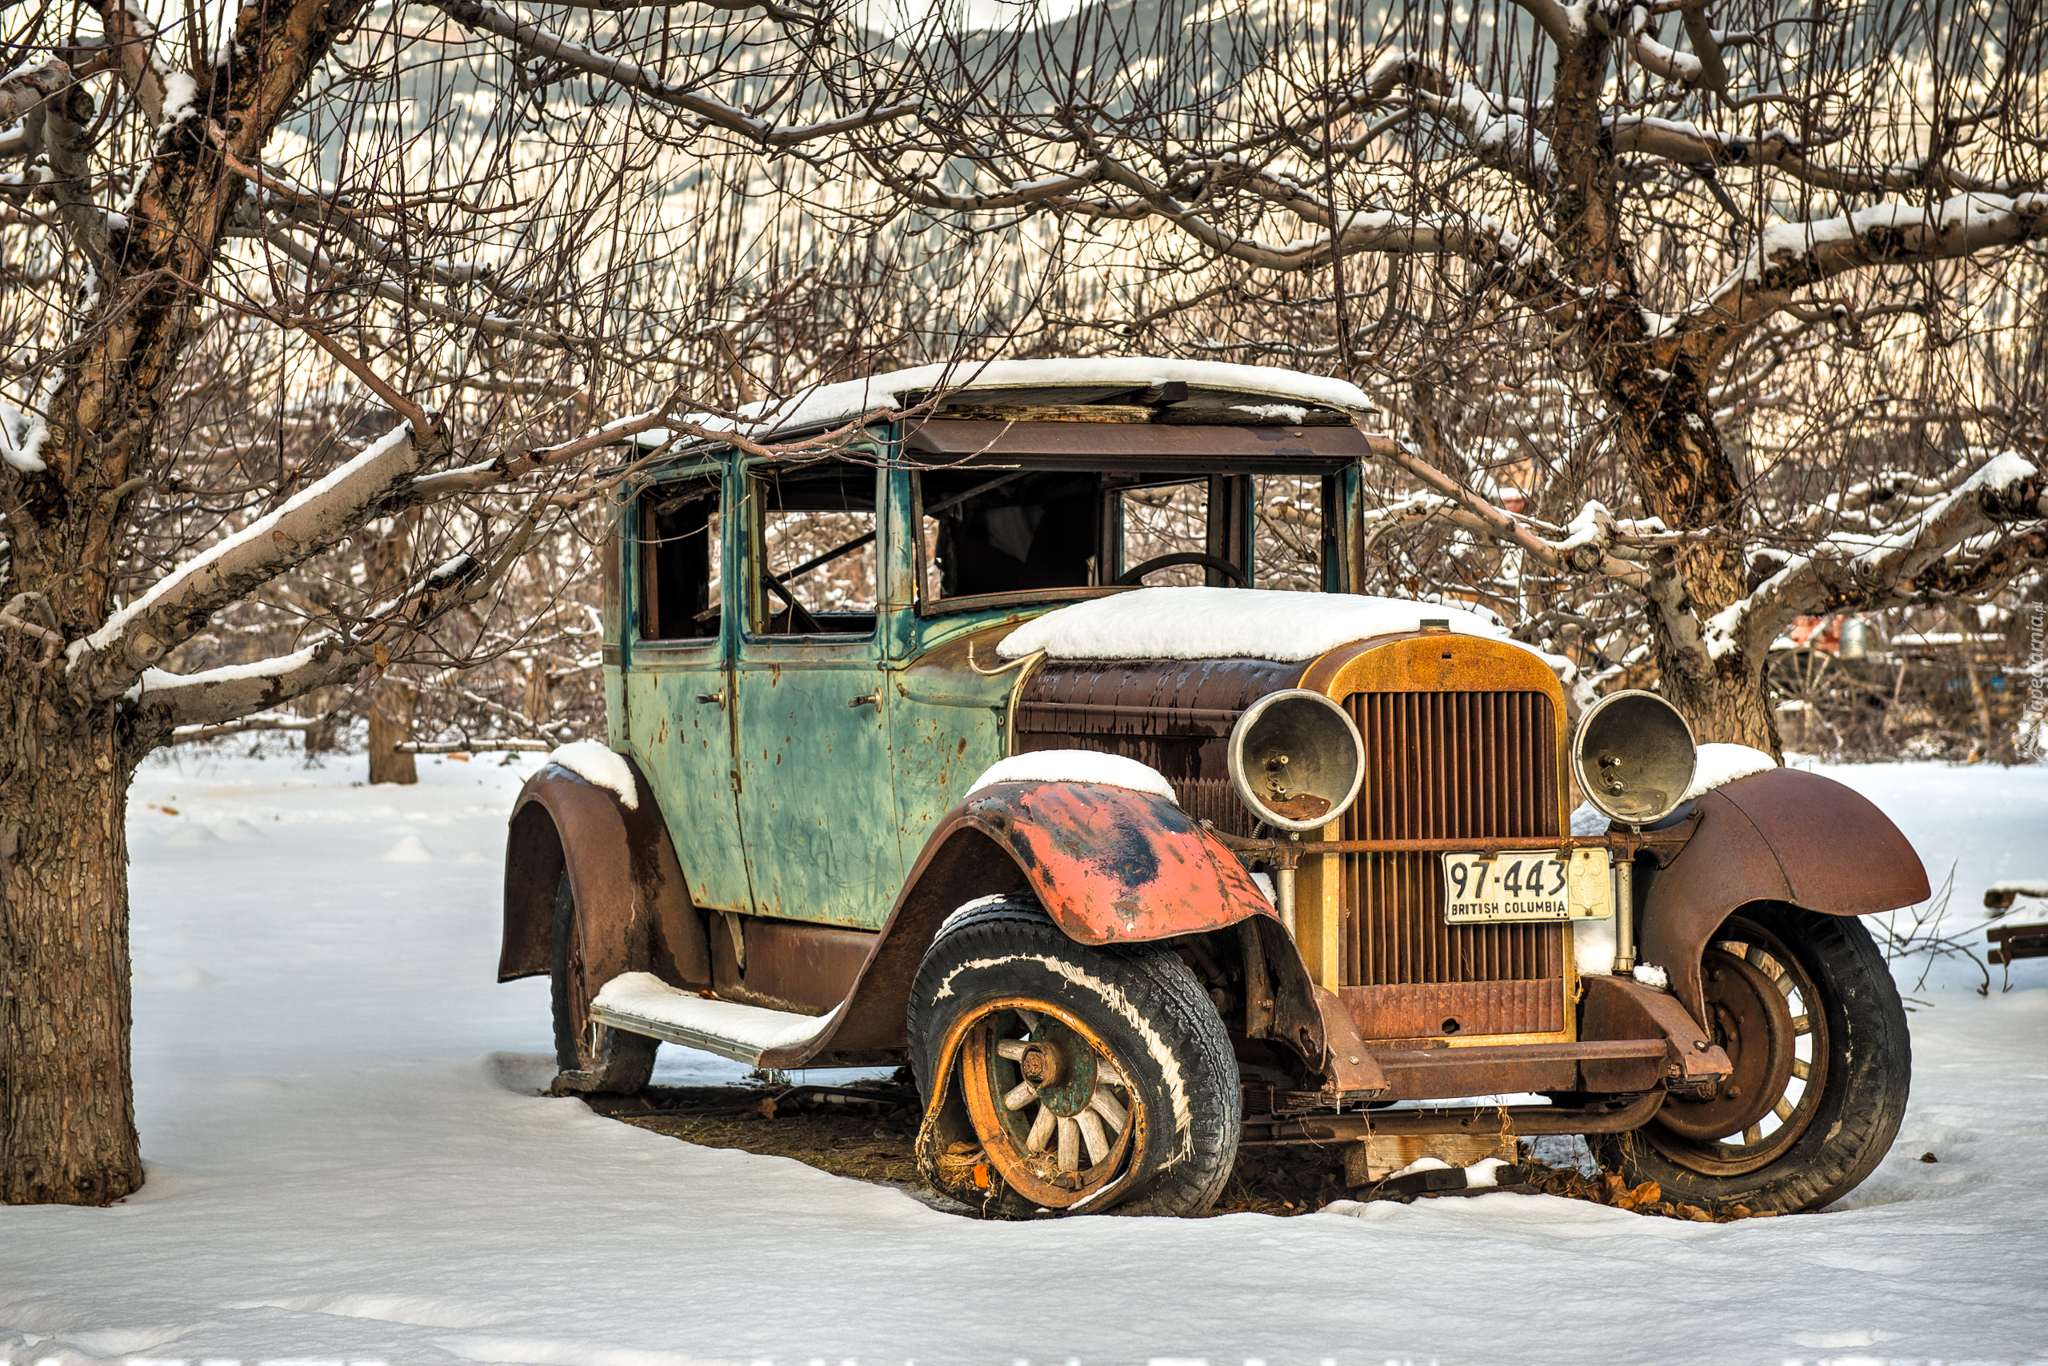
(1167, 519)
(814, 566)
(1288, 531)
(1006, 533)
(681, 597)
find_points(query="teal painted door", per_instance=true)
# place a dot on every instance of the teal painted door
(677, 680)
(684, 745)
(815, 799)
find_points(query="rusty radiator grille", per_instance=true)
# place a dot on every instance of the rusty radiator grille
(1448, 765)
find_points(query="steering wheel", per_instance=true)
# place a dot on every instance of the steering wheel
(1137, 572)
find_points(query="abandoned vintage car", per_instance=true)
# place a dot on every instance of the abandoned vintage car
(1043, 742)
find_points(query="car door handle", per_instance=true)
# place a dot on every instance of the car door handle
(718, 697)
(866, 699)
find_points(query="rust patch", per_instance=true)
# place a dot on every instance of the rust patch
(1112, 864)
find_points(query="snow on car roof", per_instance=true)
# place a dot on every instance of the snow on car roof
(827, 405)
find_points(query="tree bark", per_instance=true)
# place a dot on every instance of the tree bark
(391, 705)
(1664, 422)
(67, 1112)
(1684, 476)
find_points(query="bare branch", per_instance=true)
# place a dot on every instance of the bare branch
(784, 14)
(475, 14)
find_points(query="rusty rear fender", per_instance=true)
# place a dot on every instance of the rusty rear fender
(1780, 835)
(631, 901)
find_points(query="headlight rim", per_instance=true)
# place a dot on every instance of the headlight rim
(1241, 785)
(1576, 757)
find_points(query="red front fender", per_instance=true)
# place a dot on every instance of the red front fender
(1110, 864)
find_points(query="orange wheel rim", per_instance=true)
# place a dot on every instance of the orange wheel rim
(1055, 1114)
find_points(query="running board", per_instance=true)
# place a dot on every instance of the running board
(641, 1003)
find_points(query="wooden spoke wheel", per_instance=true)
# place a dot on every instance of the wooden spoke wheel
(1808, 1014)
(1053, 1111)
(1762, 1008)
(1069, 1078)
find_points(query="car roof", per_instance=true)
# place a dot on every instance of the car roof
(1238, 394)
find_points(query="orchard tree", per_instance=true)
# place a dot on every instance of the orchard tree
(317, 320)
(1603, 243)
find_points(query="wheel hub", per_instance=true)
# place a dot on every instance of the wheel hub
(1750, 1021)
(1041, 1065)
(1054, 1113)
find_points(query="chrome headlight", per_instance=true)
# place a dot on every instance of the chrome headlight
(1633, 756)
(1296, 760)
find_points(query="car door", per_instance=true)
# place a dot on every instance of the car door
(816, 807)
(678, 675)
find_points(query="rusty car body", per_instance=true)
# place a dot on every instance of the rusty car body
(778, 856)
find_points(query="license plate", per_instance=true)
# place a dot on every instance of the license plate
(1565, 885)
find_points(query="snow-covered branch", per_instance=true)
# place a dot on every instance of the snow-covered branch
(132, 40)
(1596, 542)
(136, 636)
(1923, 558)
(1495, 127)
(1790, 256)
(26, 88)
(258, 721)
(531, 37)
(1667, 62)
(1781, 150)
(213, 697)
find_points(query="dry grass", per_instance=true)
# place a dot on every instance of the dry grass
(866, 1132)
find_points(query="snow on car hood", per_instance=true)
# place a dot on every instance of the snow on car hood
(1227, 623)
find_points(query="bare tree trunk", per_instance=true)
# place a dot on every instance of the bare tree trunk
(1678, 464)
(1987, 745)
(67, 1114)
(391, 707)
(392, 700)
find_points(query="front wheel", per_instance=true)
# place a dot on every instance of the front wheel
(1807, 1011)
(1090, 1078)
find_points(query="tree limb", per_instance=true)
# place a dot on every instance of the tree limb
(1792, 255)
(476, 15)
(1865, 571)
(1778, 149)
(104, 663)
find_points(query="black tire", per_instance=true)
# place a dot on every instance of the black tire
(604, 1060)
(1830, 1140)
(1139, 1010)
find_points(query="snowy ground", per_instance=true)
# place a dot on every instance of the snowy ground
(348, 1163)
